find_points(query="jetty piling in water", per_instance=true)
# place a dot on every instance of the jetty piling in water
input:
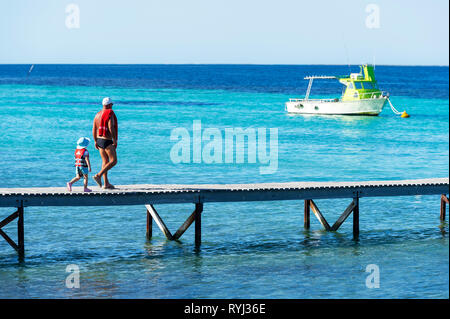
(149, 195)
(444, 201)
(20, 245)
(352, 208)
(306, 219)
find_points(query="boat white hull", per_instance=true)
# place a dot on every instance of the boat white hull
(330, 107)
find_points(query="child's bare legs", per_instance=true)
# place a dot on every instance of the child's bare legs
(86, 189)
(74, 180)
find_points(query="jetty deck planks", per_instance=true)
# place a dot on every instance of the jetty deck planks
(203, 193)
(198, 194)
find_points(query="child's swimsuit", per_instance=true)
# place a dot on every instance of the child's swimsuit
(81, 171)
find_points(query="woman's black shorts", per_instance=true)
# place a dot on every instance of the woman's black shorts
(104, 143)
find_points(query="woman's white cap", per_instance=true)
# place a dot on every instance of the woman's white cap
(107, 101)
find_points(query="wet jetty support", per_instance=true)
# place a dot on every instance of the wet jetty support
(149, 195)
(20, 245)
(352, 208)
(444, 201)
(195, 217)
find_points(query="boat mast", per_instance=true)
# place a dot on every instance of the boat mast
(309, 88)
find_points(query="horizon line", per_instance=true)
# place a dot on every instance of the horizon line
(257, 64)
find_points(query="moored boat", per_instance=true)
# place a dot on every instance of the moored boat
(361, 96)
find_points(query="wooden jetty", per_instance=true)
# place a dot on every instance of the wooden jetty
(150, 195)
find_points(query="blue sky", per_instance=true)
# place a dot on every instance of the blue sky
(226, 31)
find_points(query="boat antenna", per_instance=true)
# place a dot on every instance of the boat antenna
(373, 62)
(346, 53)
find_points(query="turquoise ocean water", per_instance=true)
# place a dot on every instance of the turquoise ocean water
(249, 250)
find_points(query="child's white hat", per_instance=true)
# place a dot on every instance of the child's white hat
(83, 142)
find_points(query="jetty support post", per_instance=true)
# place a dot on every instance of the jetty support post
(306, 214)
(149, 232)
(198, 223)
(21, 232)
(20, 245)
(444, 201)
(356, 217)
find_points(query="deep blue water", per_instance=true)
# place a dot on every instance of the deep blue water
(413, 81)
(249, 250)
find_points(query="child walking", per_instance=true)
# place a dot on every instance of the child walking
(82, 164)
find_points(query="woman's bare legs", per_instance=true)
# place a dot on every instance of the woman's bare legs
(105, 160)
(105, 178)
(109, 159)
